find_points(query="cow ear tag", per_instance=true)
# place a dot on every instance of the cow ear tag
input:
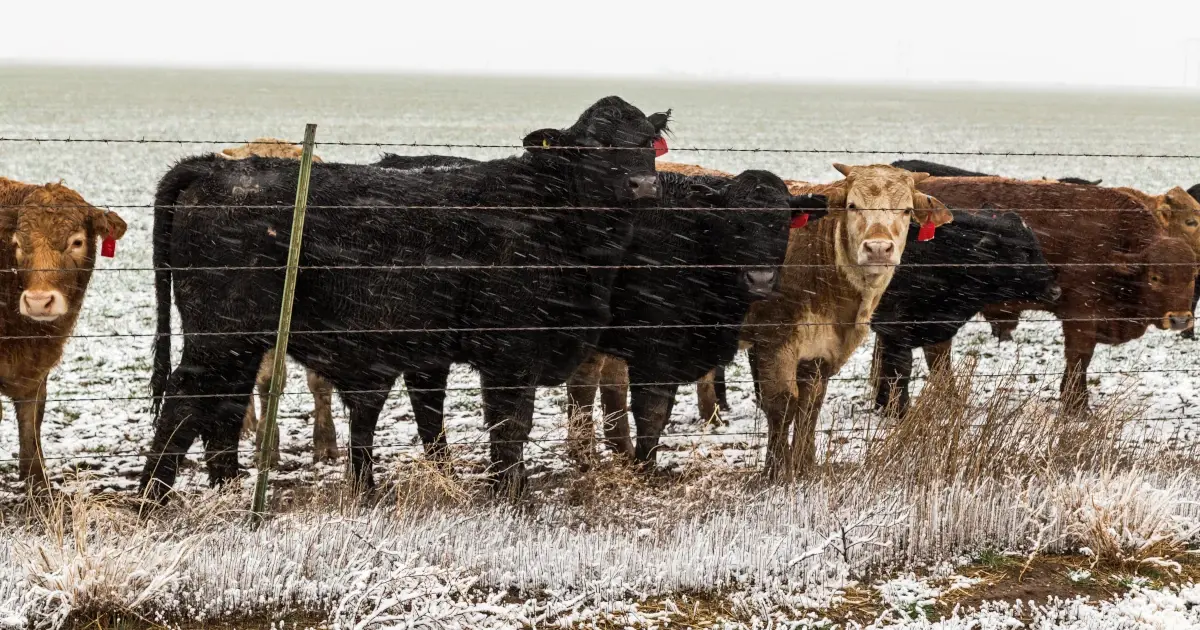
(800, 221)
(926, 233)
(660, 146)
(545, 143)
(108, 246)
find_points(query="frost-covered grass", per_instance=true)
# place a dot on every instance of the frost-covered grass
(779, 553)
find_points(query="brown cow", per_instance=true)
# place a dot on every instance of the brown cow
(833, 278)
(47, 252)
(1119, 271)
(324, 433)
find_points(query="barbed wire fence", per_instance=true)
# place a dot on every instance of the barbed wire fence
(294, 267)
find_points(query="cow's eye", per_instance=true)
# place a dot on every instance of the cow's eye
(850, 205)
(1155, 279)
(78, 243)
(1192, 223)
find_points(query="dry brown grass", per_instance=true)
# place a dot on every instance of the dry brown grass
(956, 431)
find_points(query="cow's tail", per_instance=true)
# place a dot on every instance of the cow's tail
(170, 187)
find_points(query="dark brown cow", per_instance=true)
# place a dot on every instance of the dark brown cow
(1119, 271)
(47, 252)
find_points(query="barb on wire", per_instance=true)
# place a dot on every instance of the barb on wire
(454, 145)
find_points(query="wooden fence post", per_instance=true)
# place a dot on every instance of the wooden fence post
(269, 441)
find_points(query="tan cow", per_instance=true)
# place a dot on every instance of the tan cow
(48, 238)
(324, 433)
(834, 276)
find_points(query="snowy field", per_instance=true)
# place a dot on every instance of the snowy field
(98, 420)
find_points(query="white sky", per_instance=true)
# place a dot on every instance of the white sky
(1148, 43)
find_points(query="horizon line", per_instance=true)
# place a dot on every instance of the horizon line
(672, 77)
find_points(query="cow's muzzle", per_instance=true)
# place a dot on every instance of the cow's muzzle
(1177, 321)
(43, 306)
(643, 187)
(760, 283)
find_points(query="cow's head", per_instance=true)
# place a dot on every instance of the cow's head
(753, 233)
(52, 233)
(1014, 259)
(609, 152)
(1165, 274)
(1179, 214)
(880, 203)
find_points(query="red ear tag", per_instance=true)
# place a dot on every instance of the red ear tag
(108, 247)
(926, 233)
(660, 146)
(800, 221)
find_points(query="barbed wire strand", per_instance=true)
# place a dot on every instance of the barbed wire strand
(477, 388)
(453, 145)
(539, 440)
(517, 329)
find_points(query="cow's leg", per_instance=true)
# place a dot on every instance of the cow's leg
(775, 373)
(324, 433)
(1190, 332)
(581, 400)
(652, 406)
(938, 358)
(206, 396)
(508, 415)
(263, 384)
(750, 356)
(364, 404)
(719, 389)
(892, 373)
(28, 396)
(812, 380)
(706, 397)
(427, 393)
(1079, 343)
(614, 396)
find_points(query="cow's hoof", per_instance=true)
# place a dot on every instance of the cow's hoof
(325, 454)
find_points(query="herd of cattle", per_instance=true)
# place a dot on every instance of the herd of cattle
(585, 261)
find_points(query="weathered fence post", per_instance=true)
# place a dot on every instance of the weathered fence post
(269, 441)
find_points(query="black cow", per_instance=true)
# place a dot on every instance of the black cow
(566, 206)
(987, 259)
(943, 170)
(674, 324)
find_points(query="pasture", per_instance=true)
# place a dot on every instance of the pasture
(703, 542)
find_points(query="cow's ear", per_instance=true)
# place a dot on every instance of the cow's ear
(660, 120)
(928, 209)
(835, 197)
(988, 242)
(1128, 265)
(809, 200)
(1162, 214)
(816, 207)
(843, 169)
(700, 191)
(546, 138)
(919, 177)
(107, 224)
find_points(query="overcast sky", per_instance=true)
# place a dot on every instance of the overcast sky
(1144, 43)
